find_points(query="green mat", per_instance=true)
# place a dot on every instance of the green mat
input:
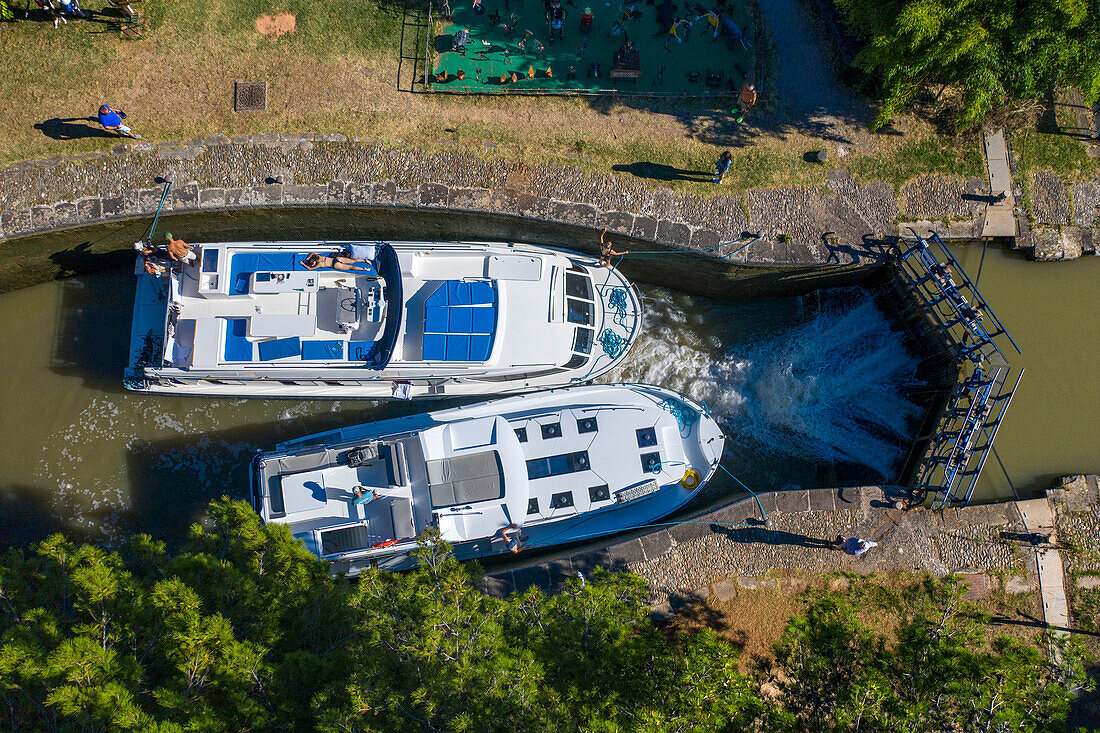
(512, 46)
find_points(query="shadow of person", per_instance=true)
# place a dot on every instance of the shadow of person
(766, 536)
(661, 172)
(63, 128)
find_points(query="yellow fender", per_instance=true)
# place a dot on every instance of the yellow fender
(691, 479)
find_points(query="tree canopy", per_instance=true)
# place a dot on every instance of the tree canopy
(994, 51)
(243, 630)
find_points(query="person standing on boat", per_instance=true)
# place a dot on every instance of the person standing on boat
(315, 261)
(180, 251)
(607, 252)
(513, 537)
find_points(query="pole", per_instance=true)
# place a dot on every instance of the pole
(156, 217)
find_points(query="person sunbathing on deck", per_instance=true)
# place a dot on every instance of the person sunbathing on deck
(337, 262)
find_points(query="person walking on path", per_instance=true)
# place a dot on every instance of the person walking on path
(854, 545)
(746, 98)
(607, 252)
(722, 166)
(112, 122)
(180, 251)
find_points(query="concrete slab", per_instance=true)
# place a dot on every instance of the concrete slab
(822, 500)
(655, 544)
(1052, 588)
(1000, 217)
(538, 575)
(793, 502)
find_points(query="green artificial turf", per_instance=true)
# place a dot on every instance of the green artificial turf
(509, 46)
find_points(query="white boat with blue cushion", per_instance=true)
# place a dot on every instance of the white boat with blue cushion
(420, 319)
(561, 465)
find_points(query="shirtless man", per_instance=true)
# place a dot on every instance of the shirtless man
(336, 262)
(180, 251)
(606, 251)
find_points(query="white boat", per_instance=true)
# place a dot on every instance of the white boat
(557, 466)
(422, 319)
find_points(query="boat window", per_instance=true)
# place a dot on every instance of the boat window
(647, 437)
(651, 462)
(557, 465)
(562, 500)
(599, 493)
(578, 286)
(582, 342)
(587, 425)
(551, 430)
(533, 505)
(521, 433)
(580, 312)
(209, 259)
(576, 361)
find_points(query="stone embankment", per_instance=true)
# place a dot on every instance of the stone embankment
(840, 223)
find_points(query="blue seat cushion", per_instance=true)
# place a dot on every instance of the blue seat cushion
(458, 292)
(458, 347)
(361, 350)
(481, 293)
(237, 346)
(483, 319)
(435, 319)
(480, 347)
(241, 269)
(438, 296)
(322, 350)
(459, 320)
(280, 348)
(435, 347)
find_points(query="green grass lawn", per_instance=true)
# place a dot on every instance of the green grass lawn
(338, 72)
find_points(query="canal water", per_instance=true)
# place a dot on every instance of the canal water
(1050, 309)
(809, 389)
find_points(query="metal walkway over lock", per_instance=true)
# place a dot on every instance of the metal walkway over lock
(978, 403)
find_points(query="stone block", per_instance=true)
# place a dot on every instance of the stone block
(588, 562)
(706, 239)
(41, 217)
(470, 198)
(822, 500)
(237, 197)
(64, 214)
(537, 575)
(644, 228)
(15, 222)
(735, 513)
(185, 197)
(89, 209)
(673, 233)
(619, 221)
(384, 192)
(359, 194)
(794, 501)
(407, 197)
(532, 206)
(434, 194)
(212, 198)
(306, 194)
(500, 585)
(689, 531)
(725, 590)
(112, 207)
(575, 214)
(560, 572)
(335, 193)
(261, 196)
(627, 552)
(655, 544)
(850, 498)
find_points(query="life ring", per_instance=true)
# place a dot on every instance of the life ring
(691, 479)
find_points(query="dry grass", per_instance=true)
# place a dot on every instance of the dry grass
(337, 72)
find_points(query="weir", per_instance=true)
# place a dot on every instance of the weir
(976, 406)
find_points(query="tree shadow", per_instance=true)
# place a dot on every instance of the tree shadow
(662, 172)
(63, 128)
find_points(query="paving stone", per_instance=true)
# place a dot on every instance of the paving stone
(434, 194)
(111, 207)
(655, 544)
(335, 194)
(644, 228)
(183, 197)
(560, 571)
(41, 217)
(627, 552)
(822, 500)
(792, 502)
(305, 194)
(619, 221)
(849, 497)
(89, 209)
(537, 575)
(674, 233)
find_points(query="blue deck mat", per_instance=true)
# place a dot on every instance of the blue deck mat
(361, 350)
(459, 321)
(280, 348)
(237, 346)
(322, 350)
(244, 264)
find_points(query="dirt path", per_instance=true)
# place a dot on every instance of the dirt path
(807, 96)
